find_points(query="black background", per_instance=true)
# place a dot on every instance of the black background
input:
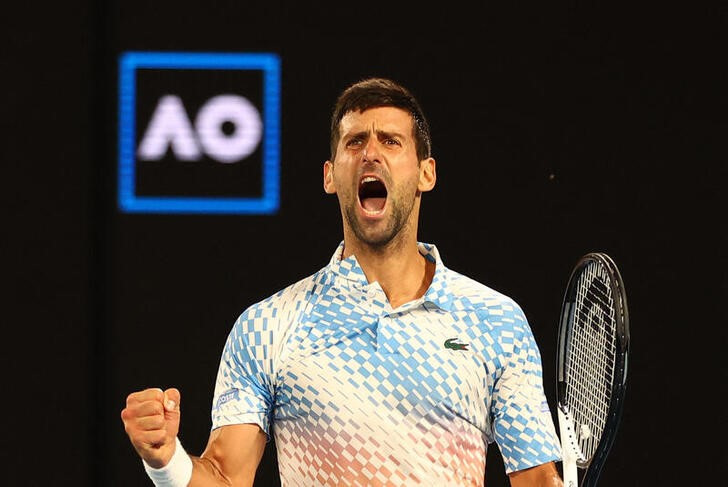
(558, 129)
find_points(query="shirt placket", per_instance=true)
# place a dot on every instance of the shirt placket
(391, 333)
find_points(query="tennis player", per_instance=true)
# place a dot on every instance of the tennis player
(384, 367)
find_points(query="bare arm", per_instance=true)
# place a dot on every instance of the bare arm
(544, 475)
(231, 457)
(151, 419)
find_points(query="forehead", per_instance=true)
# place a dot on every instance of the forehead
(387, 119)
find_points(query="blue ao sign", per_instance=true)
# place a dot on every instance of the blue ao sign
(199, 132)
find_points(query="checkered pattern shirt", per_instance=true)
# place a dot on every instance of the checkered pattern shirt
(358, 393)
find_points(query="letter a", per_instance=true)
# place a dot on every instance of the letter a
(169, 126)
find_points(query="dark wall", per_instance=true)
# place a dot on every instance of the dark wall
(557, 131)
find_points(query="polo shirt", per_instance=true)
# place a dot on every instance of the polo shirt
(357, 393)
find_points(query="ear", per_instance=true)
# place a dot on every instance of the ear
(428, 175)
(329, 185)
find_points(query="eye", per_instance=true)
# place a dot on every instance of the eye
(353, 142)
(392, 142)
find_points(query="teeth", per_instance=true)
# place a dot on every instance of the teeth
(369, 179)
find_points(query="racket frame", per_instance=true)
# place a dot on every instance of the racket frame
(572, 455)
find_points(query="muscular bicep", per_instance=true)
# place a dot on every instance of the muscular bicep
(545, 475)
(231, 457)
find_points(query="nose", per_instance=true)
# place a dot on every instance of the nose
(370, 152)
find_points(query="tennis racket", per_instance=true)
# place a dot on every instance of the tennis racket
(591, 366)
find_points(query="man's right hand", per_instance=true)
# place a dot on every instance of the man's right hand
(151, 419)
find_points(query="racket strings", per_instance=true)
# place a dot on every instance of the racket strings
(591, 357)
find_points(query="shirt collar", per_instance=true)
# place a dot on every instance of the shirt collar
(438, 293)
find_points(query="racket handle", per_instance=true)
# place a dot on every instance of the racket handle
(568, 450)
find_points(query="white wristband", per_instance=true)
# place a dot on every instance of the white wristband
(177, 473)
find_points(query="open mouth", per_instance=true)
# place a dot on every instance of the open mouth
(372, 194)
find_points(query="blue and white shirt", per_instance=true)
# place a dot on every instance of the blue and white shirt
(358, 393)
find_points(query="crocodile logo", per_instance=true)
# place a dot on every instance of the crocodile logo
(452, 345)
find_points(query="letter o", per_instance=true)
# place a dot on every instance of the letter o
(229, 148)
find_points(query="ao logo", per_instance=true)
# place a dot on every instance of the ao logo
(171, 128)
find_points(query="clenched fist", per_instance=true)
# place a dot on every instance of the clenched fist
(151, 419)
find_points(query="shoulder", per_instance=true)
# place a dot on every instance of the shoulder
(282, 305)
(486, 309)
(471, 295)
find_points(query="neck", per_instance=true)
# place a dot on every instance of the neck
(399, 268)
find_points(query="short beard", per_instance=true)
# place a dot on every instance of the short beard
(395, 225)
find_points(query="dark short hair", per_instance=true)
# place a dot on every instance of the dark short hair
(381, 92)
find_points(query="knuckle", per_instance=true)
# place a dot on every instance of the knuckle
(155, 393)
(157, 408)
(130, 398)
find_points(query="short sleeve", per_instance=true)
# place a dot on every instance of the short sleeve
(243, 388)
(522, 422)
